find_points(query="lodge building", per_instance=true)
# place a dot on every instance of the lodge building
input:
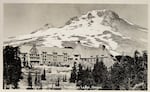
(55, 56)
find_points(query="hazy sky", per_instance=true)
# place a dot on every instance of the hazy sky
(22, 19)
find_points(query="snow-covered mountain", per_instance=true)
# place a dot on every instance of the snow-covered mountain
(92, 29)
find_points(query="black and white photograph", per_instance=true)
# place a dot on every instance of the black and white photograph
(75, 46)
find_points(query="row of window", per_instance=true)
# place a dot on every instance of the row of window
(65, 58)
(34, 57)
(44, 52)
(70, 58)
(55, 59)
(44, 59)
(46, 55)
(88, 59)
(54, 53)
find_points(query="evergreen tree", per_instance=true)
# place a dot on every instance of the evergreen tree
(145, 58)
(29, 80)
(107, 85)
(73, 77)
(64, 78)
(58, 82)
(81, 76)
(80, 73)
(89, 80)
(85, 78)
(117, 75)
(99, 72)
(43, 76)
(12, 66)
(36, 79)
(39, 82)
(122, 73)
(126, 64)
(140, 68)
(136, 55)
(128, 71)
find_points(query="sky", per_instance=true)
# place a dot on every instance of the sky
(20, 19)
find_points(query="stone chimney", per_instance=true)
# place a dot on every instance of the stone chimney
(78, 42)
(103, 47)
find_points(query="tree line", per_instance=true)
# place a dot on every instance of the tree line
(127, 73)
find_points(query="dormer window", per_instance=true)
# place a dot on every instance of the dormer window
(76, 55)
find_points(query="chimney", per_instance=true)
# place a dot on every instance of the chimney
(78, 42)
(103, 47)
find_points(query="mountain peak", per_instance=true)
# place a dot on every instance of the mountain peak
(92, 29)
(105, 15)
(101, 13)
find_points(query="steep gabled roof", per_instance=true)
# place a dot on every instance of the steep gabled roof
(90, 52)
(87, 52)
(34, 50)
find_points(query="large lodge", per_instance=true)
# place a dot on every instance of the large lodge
(55, 56)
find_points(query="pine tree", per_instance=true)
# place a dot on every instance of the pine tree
(29, 80)
(73, 77)
(107, 85)
(140, 68)
(43, 76)
(36, 79)
(117, 75)
(145, 58)
(58, 82)
(89, 80)
(64, 78)
(39, 82)
(80, 73)
(128, 65)
(129, 71)
(122, 72)
(99, 72)
(12, 66)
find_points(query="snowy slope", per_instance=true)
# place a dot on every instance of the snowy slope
(92, 29)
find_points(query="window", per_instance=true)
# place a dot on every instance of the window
(76, 55)
(55, 53)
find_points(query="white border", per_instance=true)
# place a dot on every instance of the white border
(72, 2)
